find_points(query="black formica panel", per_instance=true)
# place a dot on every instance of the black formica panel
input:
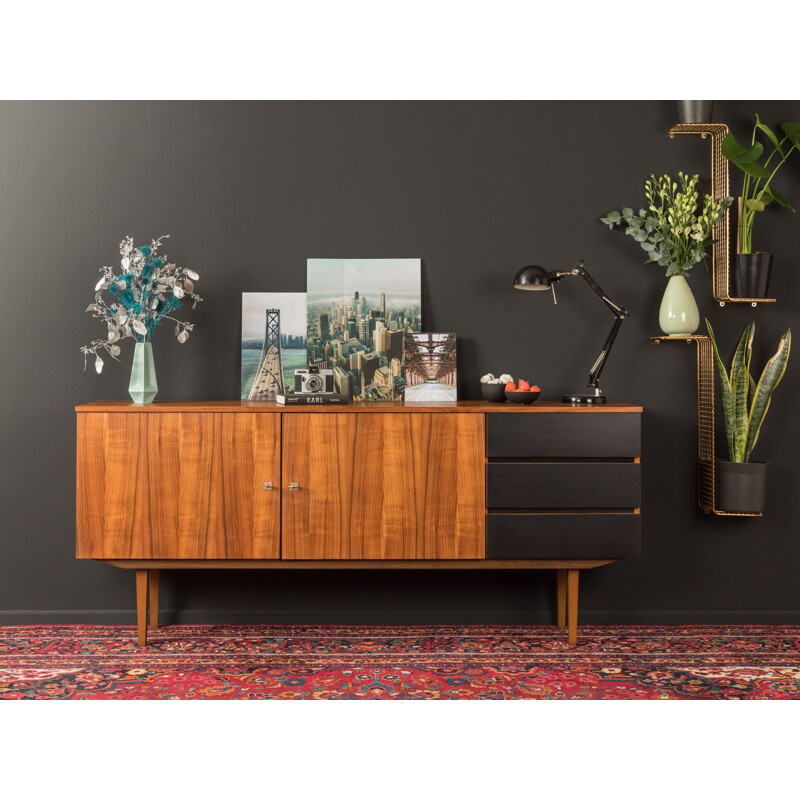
(563, 535)
(577, 435)
(519, 485)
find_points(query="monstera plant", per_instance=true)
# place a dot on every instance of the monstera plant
(752, 269)
(745, 402)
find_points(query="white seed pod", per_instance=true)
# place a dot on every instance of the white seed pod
(113, 334)
(192, 274)
(177, 291)
(139, 327)
(154, 304)
(126, 262)
(188, 285)
(100, 284)
(98, 364)
(183, 336)
(115, 350)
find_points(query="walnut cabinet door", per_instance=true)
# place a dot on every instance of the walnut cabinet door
(178, 485)
(372, 485)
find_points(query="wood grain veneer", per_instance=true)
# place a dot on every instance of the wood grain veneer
(469, 564)
(179, 485)
(461, 407)
(383, 486)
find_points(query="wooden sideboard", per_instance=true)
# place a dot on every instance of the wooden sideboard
(470, 485)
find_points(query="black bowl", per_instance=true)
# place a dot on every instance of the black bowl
(494, 392)
(523, 398)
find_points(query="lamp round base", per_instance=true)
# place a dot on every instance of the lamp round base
(584, 399)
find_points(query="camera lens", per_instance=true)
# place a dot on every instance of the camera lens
(313, 383)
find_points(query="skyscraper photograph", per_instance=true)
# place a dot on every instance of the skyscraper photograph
(358, 313)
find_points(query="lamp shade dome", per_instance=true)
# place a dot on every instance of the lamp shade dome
(532, 278)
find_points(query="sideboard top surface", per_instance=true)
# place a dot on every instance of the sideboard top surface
(461, 407)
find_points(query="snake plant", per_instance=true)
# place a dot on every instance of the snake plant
(744, 402)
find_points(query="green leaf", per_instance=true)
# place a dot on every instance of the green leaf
(739, 387)
(627, 213)
(744, 349)
(731, 149)
(769, 133)
(754, 170)
(767, 383)
(725, 388)
(648, 247)
(750, 155)
(755, 205)
(778, 198)
(792, 130)
(639, 235)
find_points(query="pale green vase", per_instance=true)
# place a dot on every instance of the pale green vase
(143, 386)
(678, 315)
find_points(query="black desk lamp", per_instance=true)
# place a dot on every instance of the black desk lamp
(538, 279)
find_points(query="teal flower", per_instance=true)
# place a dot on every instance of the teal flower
(145, 250)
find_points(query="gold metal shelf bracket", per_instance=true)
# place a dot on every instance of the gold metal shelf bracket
(720, 187)
(706, 461)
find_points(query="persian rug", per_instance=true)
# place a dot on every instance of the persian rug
(491, 662)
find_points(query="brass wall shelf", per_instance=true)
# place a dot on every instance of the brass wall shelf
(720, 187)
(706, 460)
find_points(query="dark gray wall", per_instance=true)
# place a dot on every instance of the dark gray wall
(248, 192)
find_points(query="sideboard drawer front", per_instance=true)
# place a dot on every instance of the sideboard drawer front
(555, 486)
(564, 435)
(563, 535)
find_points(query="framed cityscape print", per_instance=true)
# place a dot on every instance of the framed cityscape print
(430, 368)
(358, 313)
(273, 342)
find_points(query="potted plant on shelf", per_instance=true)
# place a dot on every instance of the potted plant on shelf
(675, 233)
(742, 483)
(752, 270)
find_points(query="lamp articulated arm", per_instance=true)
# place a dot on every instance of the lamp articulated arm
(619, 312)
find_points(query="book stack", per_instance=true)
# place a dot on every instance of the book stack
(312, 399)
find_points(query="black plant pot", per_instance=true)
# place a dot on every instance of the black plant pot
(741, 488)
(751, 274)
(695, 111)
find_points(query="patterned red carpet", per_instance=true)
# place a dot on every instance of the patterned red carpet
(206, 662)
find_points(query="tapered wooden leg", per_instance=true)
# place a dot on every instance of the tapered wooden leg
(572, 606)
(561, 582)
(141, 605)
(153, 585)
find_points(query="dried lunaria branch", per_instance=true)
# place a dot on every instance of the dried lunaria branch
(145, 293)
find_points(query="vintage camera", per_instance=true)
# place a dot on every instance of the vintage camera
(313, 380)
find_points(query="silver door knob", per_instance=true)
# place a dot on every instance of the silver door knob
(268, 486)
(294, 486)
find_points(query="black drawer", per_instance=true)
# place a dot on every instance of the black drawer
(578, 434)
(583, 485)
(563, 535)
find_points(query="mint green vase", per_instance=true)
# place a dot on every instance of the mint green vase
(678, 315)
(143, 387)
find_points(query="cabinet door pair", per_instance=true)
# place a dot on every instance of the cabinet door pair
(367, 485)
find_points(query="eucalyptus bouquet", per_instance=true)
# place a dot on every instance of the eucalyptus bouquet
(146, 292)
(672, 230)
